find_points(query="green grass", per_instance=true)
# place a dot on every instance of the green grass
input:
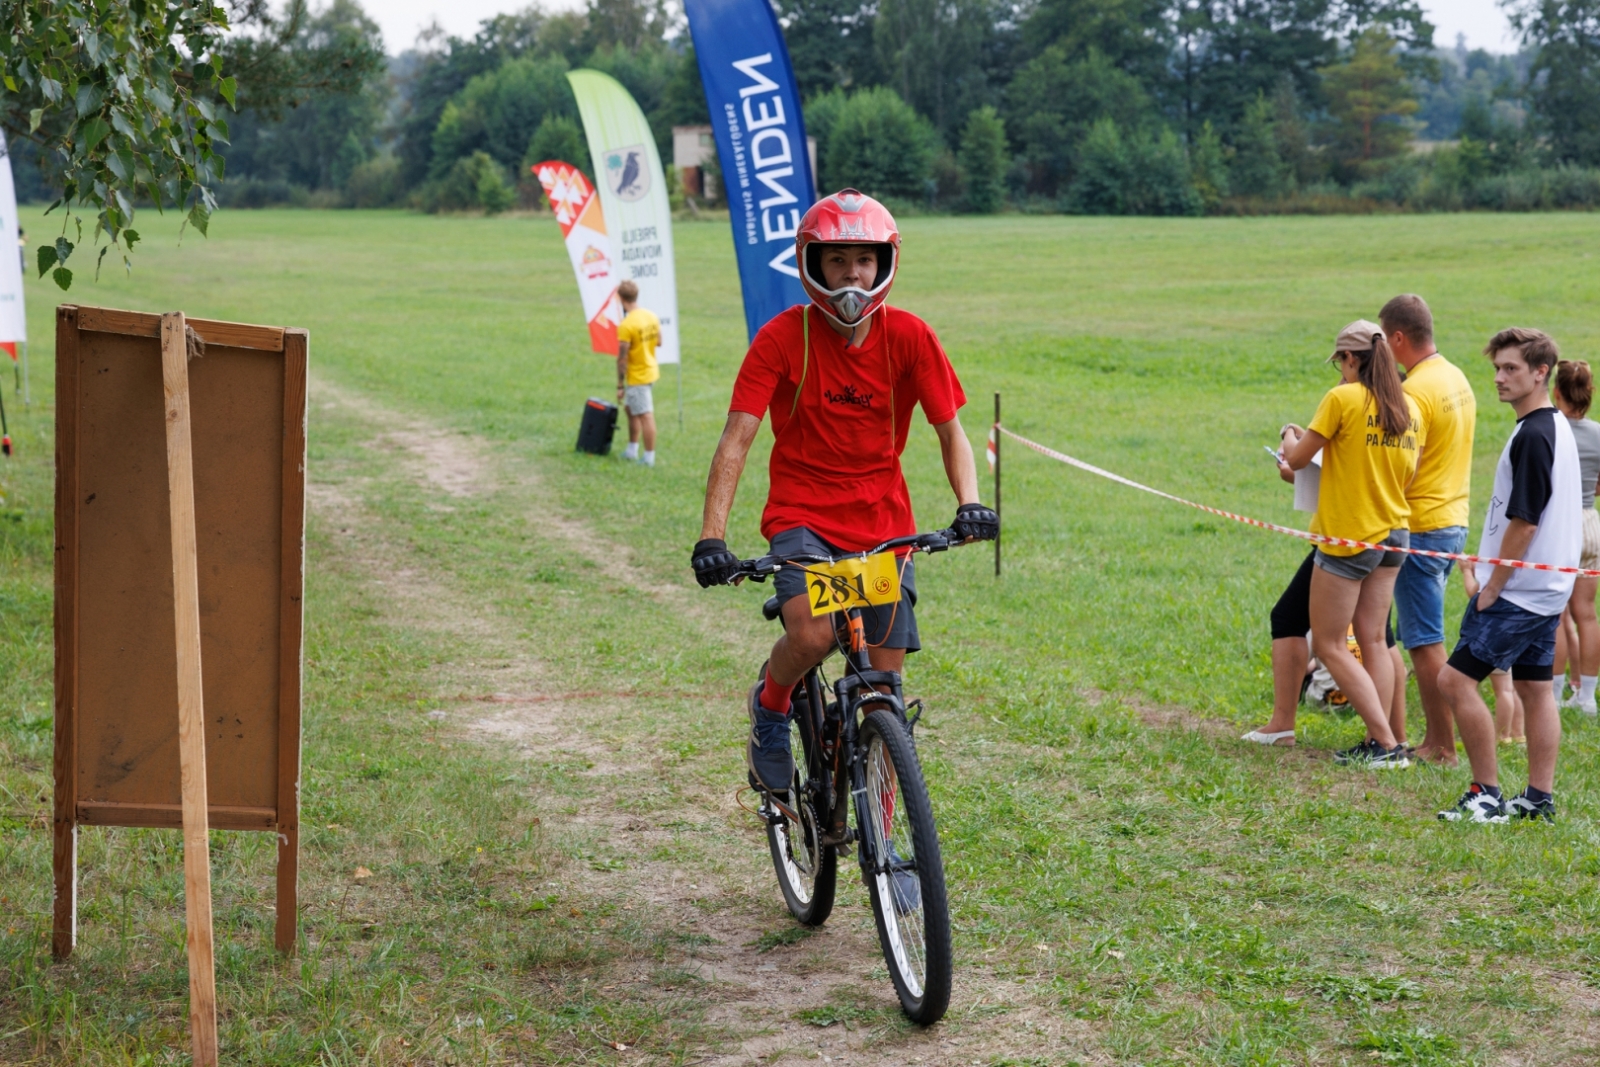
(1116, 867)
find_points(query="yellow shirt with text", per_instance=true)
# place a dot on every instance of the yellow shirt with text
(1440, 491)
(1365, 470)
(641, 331)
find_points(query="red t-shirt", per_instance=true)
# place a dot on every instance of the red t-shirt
(836, 451)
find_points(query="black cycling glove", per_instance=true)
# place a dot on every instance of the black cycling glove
(976, 522)
(712, 562)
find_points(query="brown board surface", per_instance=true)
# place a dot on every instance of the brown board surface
(118, 642)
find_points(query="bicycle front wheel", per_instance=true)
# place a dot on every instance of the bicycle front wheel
(807, 869)
(904, 872)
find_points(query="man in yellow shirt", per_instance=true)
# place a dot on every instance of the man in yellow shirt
(1438, 498)
(637, 337)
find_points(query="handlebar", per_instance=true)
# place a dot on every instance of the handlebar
(761, 567)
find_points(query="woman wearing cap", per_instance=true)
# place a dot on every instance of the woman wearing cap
(1369, 433)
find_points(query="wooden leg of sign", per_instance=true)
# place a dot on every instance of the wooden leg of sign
(288, 899)
(64, 928)
(296, 353)
(191, 708)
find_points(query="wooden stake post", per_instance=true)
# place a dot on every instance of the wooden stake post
(191, 697)
(155, 575)
(997, 435)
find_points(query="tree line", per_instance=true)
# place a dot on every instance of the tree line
(1162, 107)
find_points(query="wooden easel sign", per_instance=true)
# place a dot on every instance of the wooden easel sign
(180, 516)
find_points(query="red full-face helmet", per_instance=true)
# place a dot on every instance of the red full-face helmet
(848, 217)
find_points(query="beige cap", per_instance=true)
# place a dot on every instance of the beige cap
(1356, 337)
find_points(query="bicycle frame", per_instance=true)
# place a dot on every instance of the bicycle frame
(839, 770)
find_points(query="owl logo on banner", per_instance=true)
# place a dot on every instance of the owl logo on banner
(627, 174)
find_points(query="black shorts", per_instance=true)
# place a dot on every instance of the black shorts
(888, 625)
(1291, 615)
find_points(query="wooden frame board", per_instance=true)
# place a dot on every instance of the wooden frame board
(116, 750)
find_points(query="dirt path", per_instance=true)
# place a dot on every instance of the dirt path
(821, 998)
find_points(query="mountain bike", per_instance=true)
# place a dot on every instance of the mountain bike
(855, 754)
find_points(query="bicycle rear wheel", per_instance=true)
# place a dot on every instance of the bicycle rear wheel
(904, 872)
(808, 870)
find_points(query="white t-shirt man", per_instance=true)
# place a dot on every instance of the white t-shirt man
(1537, 481)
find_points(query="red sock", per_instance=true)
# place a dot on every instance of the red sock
(775, 697)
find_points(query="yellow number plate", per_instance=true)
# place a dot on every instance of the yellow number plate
(852, 583)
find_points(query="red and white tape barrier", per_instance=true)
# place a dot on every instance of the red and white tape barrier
(1304, 535)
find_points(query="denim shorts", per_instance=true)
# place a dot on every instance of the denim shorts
(889, 625)
(1419, 591)
(1506, 636)
(1366, 561)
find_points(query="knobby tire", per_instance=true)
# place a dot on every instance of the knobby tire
(916, 943)
(807, 871)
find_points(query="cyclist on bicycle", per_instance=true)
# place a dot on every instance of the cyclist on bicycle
(839, 377)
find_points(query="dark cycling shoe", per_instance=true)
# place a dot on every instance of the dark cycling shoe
(768, 753)
(907, 887)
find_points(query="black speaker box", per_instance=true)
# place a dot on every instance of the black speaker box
(599, 425)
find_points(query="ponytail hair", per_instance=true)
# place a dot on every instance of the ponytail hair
(1377, 372)
(1575, 384)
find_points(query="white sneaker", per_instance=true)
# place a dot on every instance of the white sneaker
(1274, 737)
(1475, 806)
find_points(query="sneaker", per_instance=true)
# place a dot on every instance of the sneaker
(907, 886)
(768, 754)
(1476, 805)
(1374, 757)
(1358, 753)
(1397, 758)
(1572, 703)
(1522, 807)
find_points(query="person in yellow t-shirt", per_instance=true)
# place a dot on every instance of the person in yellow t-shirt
(1438, 496)
(1369, 433)
(637, 337)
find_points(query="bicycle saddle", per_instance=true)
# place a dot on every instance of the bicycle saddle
(770, 609)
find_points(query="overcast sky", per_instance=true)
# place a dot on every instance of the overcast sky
(1481, 20)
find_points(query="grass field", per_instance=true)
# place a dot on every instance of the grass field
(525, 721)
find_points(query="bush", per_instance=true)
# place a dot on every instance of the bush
(1132, 174)
(822, 115)
(1258, 168)
(375, 183)
(558, 137)
(499, 112)
(1208, 168)
(261, 192)
(1055, 100)
(1518, 191)
(475, 182)
(983, 160)
(1572, 186)
(879, 145)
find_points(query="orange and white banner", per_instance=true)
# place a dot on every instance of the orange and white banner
(583, 227)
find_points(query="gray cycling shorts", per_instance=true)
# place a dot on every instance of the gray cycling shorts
(638, 399)
(888, 625)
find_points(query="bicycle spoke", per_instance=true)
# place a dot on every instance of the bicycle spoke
(896, 852)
